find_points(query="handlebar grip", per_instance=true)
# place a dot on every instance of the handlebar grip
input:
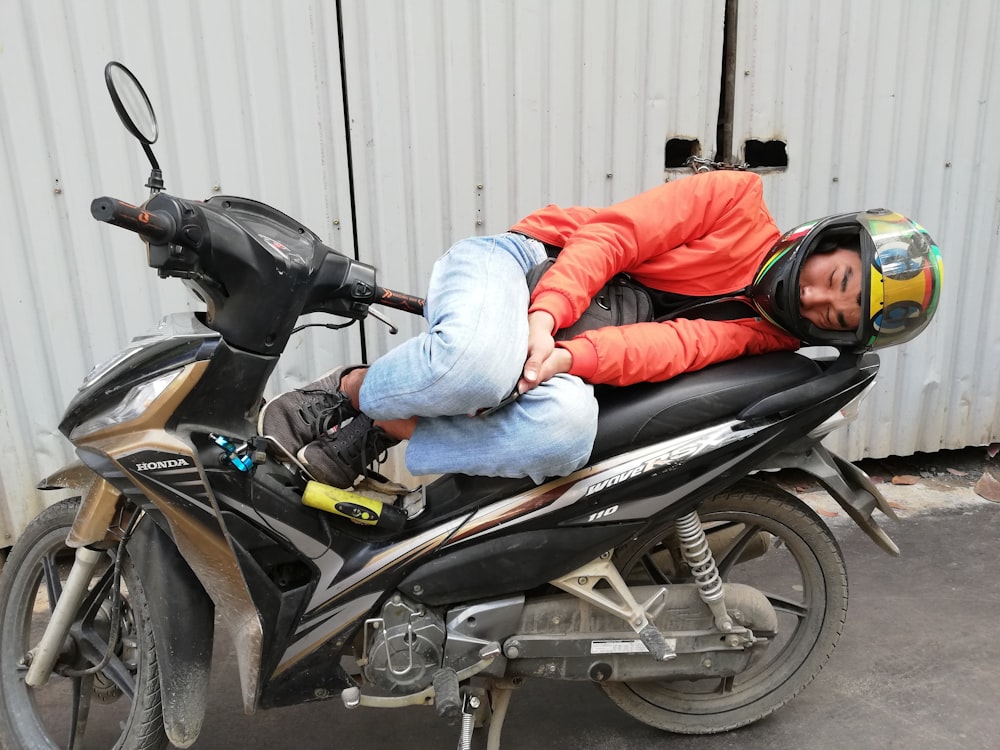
(399, 300)
(156, 225)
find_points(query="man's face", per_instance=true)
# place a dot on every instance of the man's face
(830, 290)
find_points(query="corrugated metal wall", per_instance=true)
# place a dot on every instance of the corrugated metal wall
(894, 104)
(467, 115)
(464, 116)
(250, 102)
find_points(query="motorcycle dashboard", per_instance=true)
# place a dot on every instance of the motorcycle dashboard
(257, 269)
(287, 240)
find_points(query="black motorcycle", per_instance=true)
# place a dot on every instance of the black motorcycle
(671, 571)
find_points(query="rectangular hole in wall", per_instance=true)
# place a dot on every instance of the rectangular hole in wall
(678, 150)
(765, 154)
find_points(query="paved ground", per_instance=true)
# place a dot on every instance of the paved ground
(915, 669)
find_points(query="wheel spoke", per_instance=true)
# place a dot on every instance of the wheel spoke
(93, 644)
(783, 604)
(83, 689)
(654, 571)
(93, 647)
(726, 685)
(53, 583)
(728, 559)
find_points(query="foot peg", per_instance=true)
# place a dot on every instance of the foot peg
(618, 600)
(656, 644)
(447, 698)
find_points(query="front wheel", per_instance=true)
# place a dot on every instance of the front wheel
(117, 707)
(767, 539)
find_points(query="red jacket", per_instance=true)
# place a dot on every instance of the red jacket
(701, 235)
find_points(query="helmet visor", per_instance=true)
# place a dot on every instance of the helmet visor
(904, 279)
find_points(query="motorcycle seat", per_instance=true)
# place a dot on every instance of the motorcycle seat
(637, 415)
(647, 412)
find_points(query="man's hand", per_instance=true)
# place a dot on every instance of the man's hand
(544, 359)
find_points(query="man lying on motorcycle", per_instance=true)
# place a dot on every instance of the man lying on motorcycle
(857, 280)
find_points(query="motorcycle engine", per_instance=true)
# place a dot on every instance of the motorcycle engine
(405, 648)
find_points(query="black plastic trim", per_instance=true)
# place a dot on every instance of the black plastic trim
(513, 563)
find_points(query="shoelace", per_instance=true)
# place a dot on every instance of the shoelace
(355, 453)
(324, 415)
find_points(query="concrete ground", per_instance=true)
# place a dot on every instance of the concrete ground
(915, 668)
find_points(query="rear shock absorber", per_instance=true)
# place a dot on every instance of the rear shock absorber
(698, 556)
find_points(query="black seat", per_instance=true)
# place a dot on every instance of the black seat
(644, 413)
(641, 414)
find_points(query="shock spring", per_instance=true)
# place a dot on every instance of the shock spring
(698, 555)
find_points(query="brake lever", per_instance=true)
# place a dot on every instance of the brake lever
(378, 316)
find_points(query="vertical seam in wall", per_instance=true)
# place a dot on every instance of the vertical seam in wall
(350, 155)
(33, 33)
(727, 91)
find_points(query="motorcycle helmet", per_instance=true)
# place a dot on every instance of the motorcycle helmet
(899, 290)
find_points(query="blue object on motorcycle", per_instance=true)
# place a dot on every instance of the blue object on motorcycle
(241, 462)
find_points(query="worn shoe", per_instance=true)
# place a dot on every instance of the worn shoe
(298, 417)
(340, 455)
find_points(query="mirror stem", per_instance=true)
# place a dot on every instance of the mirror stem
(155, 181)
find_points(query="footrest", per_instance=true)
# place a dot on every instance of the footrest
(447, 698)
(656, 644)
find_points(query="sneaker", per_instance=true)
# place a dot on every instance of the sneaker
(298, 417)
(340, 455)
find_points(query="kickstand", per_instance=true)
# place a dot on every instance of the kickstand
(500, 700)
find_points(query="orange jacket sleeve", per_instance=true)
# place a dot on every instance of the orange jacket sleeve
(651, 352)
(711, 217)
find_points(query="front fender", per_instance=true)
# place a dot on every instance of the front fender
(74, 476)
(183, 621)
(99, 502)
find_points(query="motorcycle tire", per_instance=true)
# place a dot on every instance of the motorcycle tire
(119, 706)
(767, 538)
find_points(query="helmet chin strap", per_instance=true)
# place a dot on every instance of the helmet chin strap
(825, 337)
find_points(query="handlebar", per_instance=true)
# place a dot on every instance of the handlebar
(160, 227)
(399, 300)
(156, 225)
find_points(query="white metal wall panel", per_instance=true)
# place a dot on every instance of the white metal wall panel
(895, 104)
(463, 116)
(250, 103)
(467, 115)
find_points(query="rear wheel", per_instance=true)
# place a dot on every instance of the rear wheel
(768, 539)
(119, 706)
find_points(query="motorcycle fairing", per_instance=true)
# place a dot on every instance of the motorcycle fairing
(344, 594)
(149, 356)
(197, 528)
(509, 526)
(500, 566)
(341, 575)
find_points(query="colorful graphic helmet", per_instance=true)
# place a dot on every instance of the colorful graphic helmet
(899, 292)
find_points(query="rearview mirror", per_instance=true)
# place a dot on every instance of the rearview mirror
(131, 102)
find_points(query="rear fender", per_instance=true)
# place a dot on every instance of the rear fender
(183, 622)
(848, 485)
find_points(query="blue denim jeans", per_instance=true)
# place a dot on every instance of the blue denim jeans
(470, 359)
